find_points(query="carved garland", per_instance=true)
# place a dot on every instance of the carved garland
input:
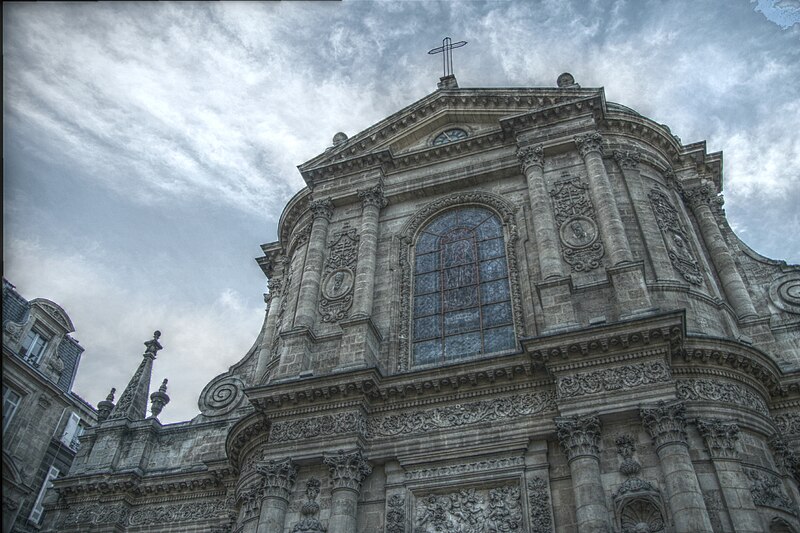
(396, 514)
(706, 389)
(675, 237)
(499, 205)
(610, 379)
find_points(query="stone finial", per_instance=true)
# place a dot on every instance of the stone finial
(159, 399)
(277, 477)
(348, 469)
(132, 405)
(579, 436)
(567, 81)
(339, 138)
(153, 345)
(104, 408)
(531, 156)
(591, 142)
(310, 523)
(666, 423)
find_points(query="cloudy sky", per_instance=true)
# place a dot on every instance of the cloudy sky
(149, 148)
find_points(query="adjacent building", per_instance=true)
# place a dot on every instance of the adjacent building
(497, 310)
(42, 418)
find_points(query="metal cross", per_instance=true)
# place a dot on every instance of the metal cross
(447, 54)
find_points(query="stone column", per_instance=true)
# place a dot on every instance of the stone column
(373, 201)
(248, 502)
(348, 470)
(591, 149)
(721, 440)
(666, 424)
(580, 437)
(322, 211)
(273, 300)
(277, 483)
(700, 199)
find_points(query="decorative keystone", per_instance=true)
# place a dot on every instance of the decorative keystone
(531, 156)
(720, 438)
(627, 159)
(373, 197)
(592, 142)
(278, 477)
(579, 436)
(348, 469)
(159, 399)
(322, 209)
(666, 423)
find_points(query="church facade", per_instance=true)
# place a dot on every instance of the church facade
(497, 310)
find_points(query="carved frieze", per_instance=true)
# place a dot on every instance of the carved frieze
(611, 379)
(348, 469)
(768, 491)
(97, 513)
(325, 425)
(182, 512)
(721, 391)
(788, 423)
(579, 436)
(470, 511)
(666, 423)
(451, 470)
(581, 246)
(539, 506)
(720, 437)
(339, 275)
(461, 414)
(396, 514)
(675, 237)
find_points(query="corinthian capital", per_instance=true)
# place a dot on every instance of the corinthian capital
(373, 196)
(348, 469)
(531, 156)
(701, 195)
(278, 477)
(591, 142)
(666, 423)
(627, 158)
(322, 209)
(579, 435)
(720, 437)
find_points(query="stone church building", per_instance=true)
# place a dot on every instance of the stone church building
(497, 310)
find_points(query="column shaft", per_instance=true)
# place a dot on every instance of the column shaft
(272, 516)
(732, 283)
(312, 270)
(264, 355)
(605, 204)
(343, 511)
(373, 200)
(348, 471)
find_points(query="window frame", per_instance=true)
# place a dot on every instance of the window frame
(8, 417)
(25, 351)
(38, 506)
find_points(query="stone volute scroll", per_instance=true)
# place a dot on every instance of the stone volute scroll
(221, 396)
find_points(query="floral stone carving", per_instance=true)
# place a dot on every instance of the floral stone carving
(348, 469)
(721, 391)
(675, 237)
(579, 436)
(610, 379)
(539, 505)
(277, 477)
(338, 277)
(310, 509)
(470, 511)
(396, 514)
(768, 491)
(574, 214)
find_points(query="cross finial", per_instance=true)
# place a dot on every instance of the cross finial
(447, 54)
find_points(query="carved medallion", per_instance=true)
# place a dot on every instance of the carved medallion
(785, 293)
(675, 237)
(574, 214)
(338, 279)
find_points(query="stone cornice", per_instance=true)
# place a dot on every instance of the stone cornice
(142, 486)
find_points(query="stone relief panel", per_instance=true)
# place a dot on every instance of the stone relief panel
(150, 515)
(768, 491)
(788, 423)
(784, 292)
(675, 237)
(396, 514)
(339, 275)
(221, 396)
(581, 247)
(611, 379)
(461, 414)
(539, 506)
(721, 391)
(470, 511)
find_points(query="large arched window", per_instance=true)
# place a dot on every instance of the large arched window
(462, 301)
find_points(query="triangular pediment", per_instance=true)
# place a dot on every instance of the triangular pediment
(474, 111)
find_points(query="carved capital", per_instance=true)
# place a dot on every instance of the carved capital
(348, 469)
(274, 285)
(627, 159)
(785, 459)
(579, 436)
(591, 142)
(720, 437)
(698, 196)
(531, 156)
(666, 423)
(322, 209)
(373, 196)
(277, 477)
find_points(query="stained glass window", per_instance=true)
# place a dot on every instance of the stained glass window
(462, 301)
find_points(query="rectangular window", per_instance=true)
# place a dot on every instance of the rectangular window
(10, 404)
(72, 431)
(38, 509)
(32, 346)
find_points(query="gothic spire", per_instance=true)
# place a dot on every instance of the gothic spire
(133, 402)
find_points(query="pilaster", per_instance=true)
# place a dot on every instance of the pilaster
(322, 212)
(273, 298)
